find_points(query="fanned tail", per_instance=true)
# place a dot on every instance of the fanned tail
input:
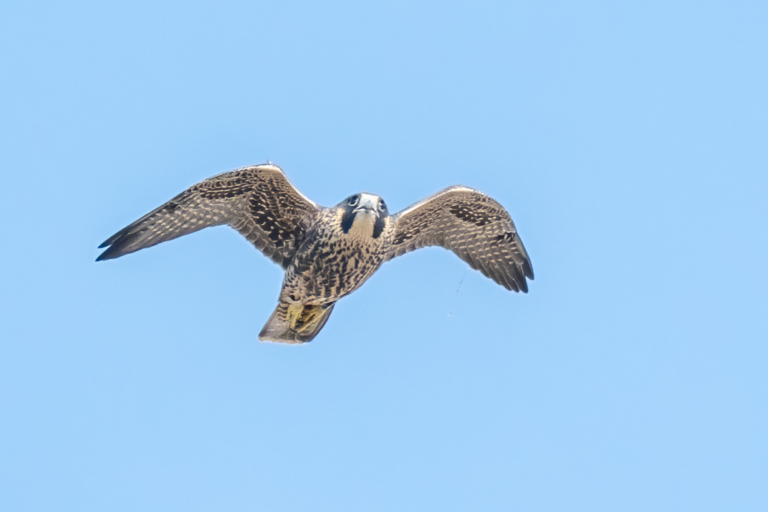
(297, 323)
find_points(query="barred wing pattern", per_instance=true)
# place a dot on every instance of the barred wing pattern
(472, 225)
(259, 202)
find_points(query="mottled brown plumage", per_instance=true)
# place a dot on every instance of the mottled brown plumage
(258, 201)
(328, 253)
(472, 225)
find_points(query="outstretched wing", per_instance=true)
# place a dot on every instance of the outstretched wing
(472, 225)
(258, 201)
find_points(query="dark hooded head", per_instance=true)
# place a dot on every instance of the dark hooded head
(364, 215)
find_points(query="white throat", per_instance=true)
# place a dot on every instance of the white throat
(362, 226)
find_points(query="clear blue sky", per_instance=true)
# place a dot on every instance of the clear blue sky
(629, 140)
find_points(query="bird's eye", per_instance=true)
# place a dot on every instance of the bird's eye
(353, 200)
(382, 205)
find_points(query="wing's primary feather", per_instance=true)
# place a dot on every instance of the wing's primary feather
(472, 225)
(259, 202)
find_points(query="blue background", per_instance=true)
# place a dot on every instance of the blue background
(628, 140)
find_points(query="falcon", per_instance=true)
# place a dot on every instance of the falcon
(328, 253)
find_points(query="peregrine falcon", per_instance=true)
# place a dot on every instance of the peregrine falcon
(328, 253)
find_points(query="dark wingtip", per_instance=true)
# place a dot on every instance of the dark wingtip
(102, 256)
(528, 269)
(115, 249)
(118, 245)
(109, 244)
(105, 255)
(521, 283)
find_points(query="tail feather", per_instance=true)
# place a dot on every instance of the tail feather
(295, 324)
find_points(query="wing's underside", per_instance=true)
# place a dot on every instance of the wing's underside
(472, 225)
(259, 202)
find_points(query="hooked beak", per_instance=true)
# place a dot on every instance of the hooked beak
(368, 205)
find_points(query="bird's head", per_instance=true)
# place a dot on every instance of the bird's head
(363, 215)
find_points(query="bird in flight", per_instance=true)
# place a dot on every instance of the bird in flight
(327, 253)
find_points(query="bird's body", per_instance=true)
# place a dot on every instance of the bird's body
(329, 264)
(328, 253)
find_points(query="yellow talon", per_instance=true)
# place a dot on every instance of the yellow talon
(294, 315)
(303, 318)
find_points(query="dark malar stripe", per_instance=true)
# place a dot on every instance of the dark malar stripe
(346, 221)
(378, 227)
